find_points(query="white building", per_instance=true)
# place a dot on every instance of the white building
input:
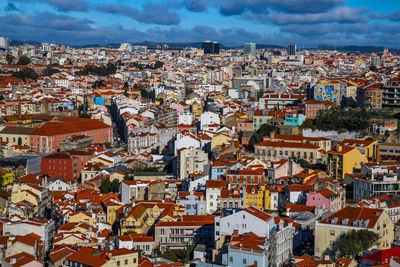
(60, 185)
(44, 229)
(131, 190)
(191, 160)
(186, 141)
(209, 118)
(185, 118)
(245, 221)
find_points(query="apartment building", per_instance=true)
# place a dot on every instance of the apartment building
(380, 185)
(192, 161)
(274, 151)
(144, 142)
(328, 230)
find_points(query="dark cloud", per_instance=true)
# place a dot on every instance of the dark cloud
(68, 5)
(11, 7)
(46, 20)
(341, 14)
(394, 16)
(237, 7)
(151, 13)
(376, 15)
(323, 29)
(196, 5)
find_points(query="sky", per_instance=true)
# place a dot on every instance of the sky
(306, 23)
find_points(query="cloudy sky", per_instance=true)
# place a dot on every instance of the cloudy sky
(306, 23)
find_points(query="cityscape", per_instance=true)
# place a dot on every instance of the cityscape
(199, 133)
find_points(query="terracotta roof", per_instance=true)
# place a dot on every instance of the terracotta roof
(258, 213)
(89, 256)
(21, 259)
(69, 125)
(351, 215)
(61, 253)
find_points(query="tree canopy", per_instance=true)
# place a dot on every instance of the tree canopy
(102, 70)
(257, 137)
(340, 118)
(105, 186)
(26, 73)
(351, 244)
(10, 59)
(24, 60)
(115, 184)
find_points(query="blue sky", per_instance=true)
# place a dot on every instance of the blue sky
(306, 23)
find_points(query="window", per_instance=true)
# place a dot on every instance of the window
(244, 261)
(126, 262)
(332, 232)
(230, 259)
(118, 263)
(134, 260)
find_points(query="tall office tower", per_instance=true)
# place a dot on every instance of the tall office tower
(291, 50)
(210, 47)
(4, 42)
(249, 48)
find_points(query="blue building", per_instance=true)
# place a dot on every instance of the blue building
(98, 100)
(294, 119)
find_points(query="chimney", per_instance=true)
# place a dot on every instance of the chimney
(13, 261)
(327, 258)
(339, 148)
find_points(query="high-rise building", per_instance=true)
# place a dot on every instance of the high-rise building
(4, 42)
(249, 48)
(210, 47)
(291, 50)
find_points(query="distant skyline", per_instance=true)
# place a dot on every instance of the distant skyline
(307, 23)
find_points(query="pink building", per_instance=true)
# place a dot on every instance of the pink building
(48, 137)
(324, 198)
(246, 126)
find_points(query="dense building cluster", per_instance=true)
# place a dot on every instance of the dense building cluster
(198, 157)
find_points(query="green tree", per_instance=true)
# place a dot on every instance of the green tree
(158, 64)
(97, 84)
(115, 184)
(26, 73)
(105, 186)
(24, 60)
(50, 71)
(10, 59)
(257, 137)
(352, 244)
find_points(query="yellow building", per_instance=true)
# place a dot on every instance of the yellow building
(254, 196)
(111, 206)
(144, 215)
(328, 230)
(16, 135)
(370, 149)
(344, 159)
(197, 108)
(104, 161)
(219, 140)
(82, 216)
(25, 192)
(6, 177)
